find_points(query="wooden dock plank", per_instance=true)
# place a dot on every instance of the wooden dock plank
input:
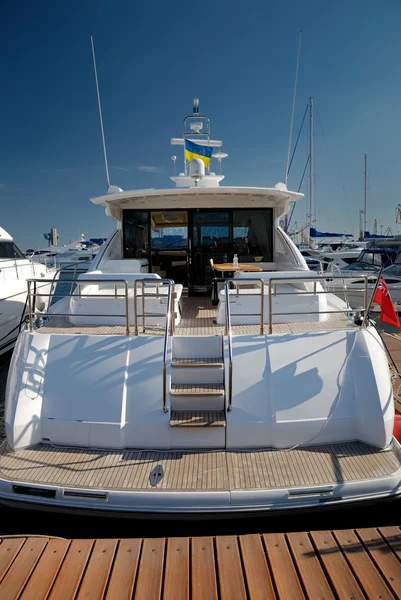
(258, 579)
(388, 564)
(122, 578)
(72, 569)
(322, 565)
(309, 568)
(392, 535)
(368, 576)
(341, 577)
(45, 573)
(22, 567)
(9, 549)
(98, 570)
(150, 574)
(203, 569)
(230, 577)
(176, 580)
(284, 574)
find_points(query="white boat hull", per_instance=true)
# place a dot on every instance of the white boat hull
(13, 300)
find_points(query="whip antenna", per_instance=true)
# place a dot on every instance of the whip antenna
(100, 114)
(293, 109)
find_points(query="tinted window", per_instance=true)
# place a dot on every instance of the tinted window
(10, 250)
(253, 238)
(135, 234)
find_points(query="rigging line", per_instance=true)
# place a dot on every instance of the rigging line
(299, 189)
(336, 171)
(100, 115)
(299, 135)
(293, 108)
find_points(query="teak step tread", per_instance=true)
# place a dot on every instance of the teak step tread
(201, 389)
(197, 362)
(207, 418)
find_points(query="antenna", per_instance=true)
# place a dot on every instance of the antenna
(293, 109)
(100, 115)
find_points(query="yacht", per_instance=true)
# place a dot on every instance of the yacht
(362, 274)
(15, 270)
(81, 251)
(137, 395)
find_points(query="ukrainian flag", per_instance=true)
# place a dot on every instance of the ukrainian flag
(193, 150)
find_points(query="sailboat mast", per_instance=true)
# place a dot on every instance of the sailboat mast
(365, 194)
(311, 163)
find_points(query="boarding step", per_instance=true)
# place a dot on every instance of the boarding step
(201, 397)
(197, 370)
(199, 418)
(197, 362)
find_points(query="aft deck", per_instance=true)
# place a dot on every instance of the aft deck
(342, 564)
(198, 317)
(192, 471)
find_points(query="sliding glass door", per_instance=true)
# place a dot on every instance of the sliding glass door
(210, 237)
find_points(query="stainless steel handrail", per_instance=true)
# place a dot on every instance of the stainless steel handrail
(168, 330)
(143, 282)
(308, 278)
(169, 327)
(91, 281)
(230, 347)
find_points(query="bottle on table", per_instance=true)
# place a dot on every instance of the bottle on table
(235, 260)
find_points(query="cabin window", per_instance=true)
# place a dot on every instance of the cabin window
(135, 233)
(10, 250)
(253, 235)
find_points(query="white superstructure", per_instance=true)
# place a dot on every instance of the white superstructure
(141, 395)
(15, 269)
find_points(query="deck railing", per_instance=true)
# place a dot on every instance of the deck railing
(78, 291)
(271, 283)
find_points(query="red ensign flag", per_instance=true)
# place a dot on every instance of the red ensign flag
(382, 298)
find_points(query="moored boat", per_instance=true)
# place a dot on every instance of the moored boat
(15, 270)
(138, 395)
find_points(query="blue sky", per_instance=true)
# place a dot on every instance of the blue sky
(153, 58)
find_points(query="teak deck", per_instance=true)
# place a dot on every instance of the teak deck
(198, 470)
(340, 564)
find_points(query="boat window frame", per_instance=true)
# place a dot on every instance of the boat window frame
(190, 212)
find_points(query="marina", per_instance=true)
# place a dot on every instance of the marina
(200, 397)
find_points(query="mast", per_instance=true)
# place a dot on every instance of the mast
(311, 163)
(365, 194)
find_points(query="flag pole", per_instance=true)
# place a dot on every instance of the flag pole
(365, 317)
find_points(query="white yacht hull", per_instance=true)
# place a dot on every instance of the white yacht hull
(13, 300)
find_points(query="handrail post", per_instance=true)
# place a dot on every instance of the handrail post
(230, 349)
(262, 306)
(365, 294)
(30, 306)
(143, 307)
(168, 330)
(173, 296)
(227, 308)
(230, 382)
(164, 387)
(270, 308)
(135, 308)
(127, 332)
